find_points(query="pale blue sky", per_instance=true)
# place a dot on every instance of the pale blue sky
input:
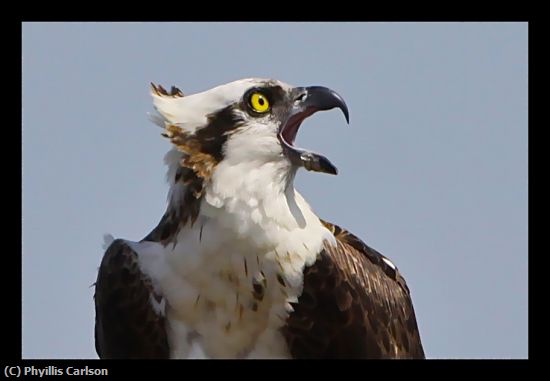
(433, 167)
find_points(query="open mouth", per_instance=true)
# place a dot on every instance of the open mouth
(289, 130)
(310, 100)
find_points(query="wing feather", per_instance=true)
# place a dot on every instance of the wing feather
(355, 304)
(127, 324)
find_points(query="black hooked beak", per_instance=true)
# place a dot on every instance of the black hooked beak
(319, 98)
(307, 101)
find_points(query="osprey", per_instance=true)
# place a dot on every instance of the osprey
(239, 265)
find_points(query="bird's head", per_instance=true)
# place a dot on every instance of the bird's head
(250, 121)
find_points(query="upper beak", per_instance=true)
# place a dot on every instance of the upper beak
(319, 98)
(307, 101)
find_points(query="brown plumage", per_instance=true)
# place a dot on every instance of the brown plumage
(202, 152)
(353, 305)
(126, 324)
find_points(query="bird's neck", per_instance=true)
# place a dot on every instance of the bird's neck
(266, 188)
(256, 200)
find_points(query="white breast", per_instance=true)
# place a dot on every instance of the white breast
(229, 278)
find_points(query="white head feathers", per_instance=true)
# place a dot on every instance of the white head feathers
(190, 111)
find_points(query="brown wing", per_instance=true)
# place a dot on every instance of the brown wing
(353, 305)
(126, 326)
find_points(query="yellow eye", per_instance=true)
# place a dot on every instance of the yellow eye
(259, 102)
